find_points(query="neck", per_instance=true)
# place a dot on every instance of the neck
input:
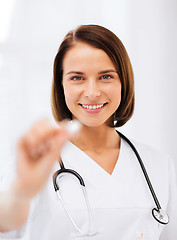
(96, 139)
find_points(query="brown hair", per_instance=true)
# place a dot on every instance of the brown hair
(101, 38)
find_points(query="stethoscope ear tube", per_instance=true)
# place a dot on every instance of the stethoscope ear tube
(65, 170)
(159, 214)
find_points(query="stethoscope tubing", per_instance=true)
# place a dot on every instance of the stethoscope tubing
(143, 169)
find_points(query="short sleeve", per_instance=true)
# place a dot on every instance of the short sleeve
(6, 180)
(170, 231)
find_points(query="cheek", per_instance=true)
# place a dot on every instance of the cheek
(116, 96)
(114, 92)
(71, 94)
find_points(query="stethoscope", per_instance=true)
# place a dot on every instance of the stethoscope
(158, 213)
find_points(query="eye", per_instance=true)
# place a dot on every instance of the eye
(77, 78)
(106, 77)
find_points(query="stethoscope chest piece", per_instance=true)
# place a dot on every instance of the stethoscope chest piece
(160, 215)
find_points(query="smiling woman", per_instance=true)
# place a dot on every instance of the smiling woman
(102, 49)
(102, 193)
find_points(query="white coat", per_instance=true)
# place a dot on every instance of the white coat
(121, 203)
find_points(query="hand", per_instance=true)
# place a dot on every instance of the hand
(37, 151)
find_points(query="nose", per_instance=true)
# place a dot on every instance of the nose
(92, 89)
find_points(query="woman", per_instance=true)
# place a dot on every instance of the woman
(93, 83)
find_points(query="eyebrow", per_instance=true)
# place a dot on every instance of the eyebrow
(102, 72)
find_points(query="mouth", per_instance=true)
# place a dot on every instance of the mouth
(93, 106)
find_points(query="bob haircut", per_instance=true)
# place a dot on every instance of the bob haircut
(101, 38)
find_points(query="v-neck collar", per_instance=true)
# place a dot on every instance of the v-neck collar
(76, 159)
(90, 159)
(93, 162)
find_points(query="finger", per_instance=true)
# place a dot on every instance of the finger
(53, 153)
(43, 142)
(34, 152)
(52, 145)
(39, 131)
(37, 137)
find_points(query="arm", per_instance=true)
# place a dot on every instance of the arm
(37, 152)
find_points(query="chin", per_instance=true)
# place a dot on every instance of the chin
(93, 123)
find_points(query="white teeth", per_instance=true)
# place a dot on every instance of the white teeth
(92, 106)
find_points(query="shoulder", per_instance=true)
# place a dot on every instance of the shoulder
(151, 155)
(154, 159)
(157, 163)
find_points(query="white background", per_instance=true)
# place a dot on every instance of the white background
(30, 34)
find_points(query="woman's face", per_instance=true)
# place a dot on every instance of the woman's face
(91, 84)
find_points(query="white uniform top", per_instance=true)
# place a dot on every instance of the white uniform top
(121, 203)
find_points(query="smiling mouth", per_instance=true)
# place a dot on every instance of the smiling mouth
(92, 106)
